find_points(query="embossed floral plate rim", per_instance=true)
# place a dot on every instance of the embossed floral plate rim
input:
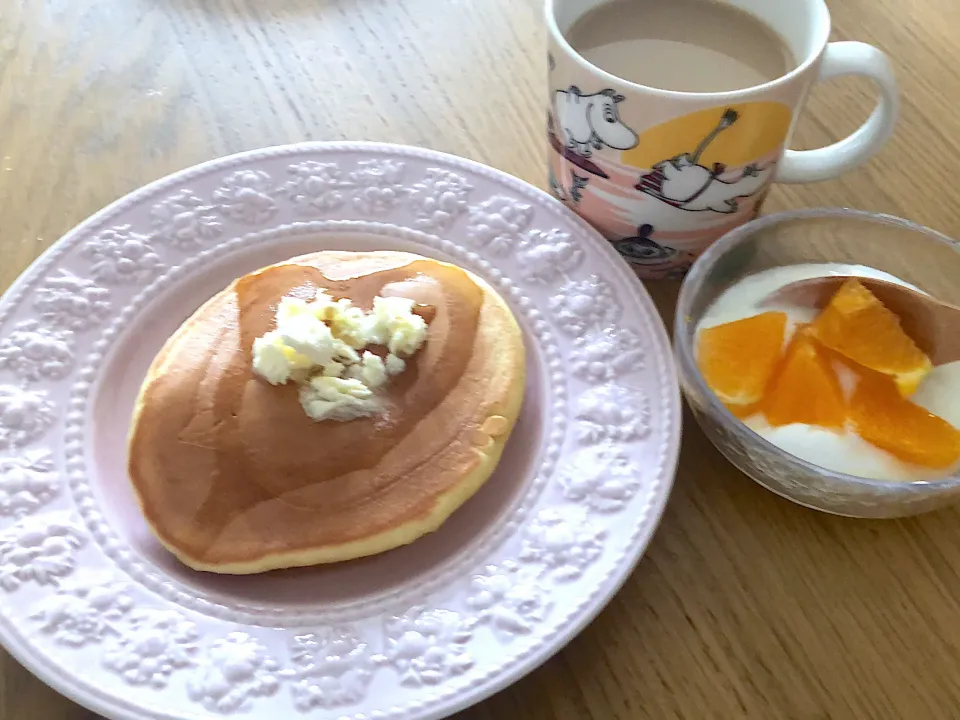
(83, 616)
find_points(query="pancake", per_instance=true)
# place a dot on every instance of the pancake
(233, 476)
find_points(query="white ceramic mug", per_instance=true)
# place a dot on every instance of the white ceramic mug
(662, 173)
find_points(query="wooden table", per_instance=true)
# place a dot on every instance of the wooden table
(745, 605)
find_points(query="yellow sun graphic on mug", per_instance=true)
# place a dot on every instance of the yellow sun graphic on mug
(733, 135)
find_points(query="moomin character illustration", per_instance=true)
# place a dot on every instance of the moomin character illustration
(642, 250)
(590, 122)
(573, 193)
(683, 183)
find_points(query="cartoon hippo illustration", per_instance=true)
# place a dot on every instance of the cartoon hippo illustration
(590, 122)
(572, 194)
(682, 182)
(685, 184)
(642, 250)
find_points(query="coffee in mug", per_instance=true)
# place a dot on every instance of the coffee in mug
(683, 45)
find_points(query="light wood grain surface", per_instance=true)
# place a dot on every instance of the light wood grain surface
(745, 606)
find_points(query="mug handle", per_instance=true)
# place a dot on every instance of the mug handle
(848, 58)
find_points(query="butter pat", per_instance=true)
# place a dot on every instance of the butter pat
(274, 361)
(331, 398)
(395, 325)
(347, 323)
(320, 345)
(334, 369)
(308, 336)
(394, 365)
(370, 371)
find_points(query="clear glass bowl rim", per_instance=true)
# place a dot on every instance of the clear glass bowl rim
(689, 373)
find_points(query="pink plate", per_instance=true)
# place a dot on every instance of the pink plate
(93, 605)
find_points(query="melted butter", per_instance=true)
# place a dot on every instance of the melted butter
(216, 447)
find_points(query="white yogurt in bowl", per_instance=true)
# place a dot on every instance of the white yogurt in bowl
(840, 451)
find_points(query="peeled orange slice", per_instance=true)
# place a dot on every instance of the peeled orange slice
(738, 358)
(858, 326)
(805, 389)
(743, 411)
(883, 417)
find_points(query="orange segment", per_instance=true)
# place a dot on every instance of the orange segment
(738, 358)
(885, 419)
(743, 411)
(806, 388)
(858, 326)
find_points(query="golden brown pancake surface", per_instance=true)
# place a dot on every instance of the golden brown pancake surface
(233, 476)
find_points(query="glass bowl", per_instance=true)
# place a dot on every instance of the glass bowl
(916, 254)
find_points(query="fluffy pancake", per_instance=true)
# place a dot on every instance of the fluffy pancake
(232, 475)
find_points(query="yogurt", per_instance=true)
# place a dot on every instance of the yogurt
(840, 451)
